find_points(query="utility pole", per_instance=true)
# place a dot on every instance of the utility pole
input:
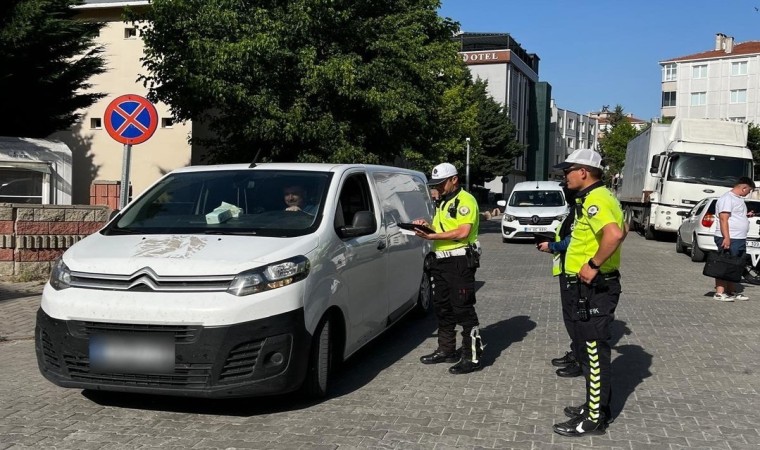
(467, 169)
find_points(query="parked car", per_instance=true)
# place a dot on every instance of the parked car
(206, 285)
(695, 238)
(533, 207)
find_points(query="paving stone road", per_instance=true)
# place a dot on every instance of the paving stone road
(687, 375)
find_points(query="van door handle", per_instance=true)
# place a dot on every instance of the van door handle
(380, 245)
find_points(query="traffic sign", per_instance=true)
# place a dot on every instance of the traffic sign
(130, 119)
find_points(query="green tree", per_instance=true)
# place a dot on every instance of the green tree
(304, 80)
(753, 143)
(47, 56)
(613, 142)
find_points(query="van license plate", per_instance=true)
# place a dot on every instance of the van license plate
(132, 354)
(536, 229)
(755, 244)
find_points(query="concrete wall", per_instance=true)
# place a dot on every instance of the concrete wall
(32, 237)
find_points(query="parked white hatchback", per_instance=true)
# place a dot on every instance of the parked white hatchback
(533, 207)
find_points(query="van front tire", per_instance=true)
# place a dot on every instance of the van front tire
(317, 380)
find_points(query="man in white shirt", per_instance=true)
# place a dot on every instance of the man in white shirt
(731, 232)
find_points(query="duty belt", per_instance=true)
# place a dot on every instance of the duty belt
(606, 276)
(447, 253)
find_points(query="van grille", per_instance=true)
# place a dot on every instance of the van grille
(182, 333)
(48, 352)
(241, 361)
(191, 376)
(541, 221)
(146, 280)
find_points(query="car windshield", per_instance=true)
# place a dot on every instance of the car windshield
(708, 169)
(537, 198)
(247, 202)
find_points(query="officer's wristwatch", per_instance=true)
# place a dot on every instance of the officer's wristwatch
(592, 264)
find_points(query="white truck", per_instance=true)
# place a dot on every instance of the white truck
(671, 167)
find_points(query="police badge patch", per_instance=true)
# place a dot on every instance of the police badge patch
(592, 210)
(463, 210)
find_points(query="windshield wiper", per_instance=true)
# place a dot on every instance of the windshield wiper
(115, 230)
(231, 232)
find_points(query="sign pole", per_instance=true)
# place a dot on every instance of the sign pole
(125, 175)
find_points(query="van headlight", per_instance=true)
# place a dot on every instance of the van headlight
(60, 275)
(508, 218)
(561, 217)
(272, 276)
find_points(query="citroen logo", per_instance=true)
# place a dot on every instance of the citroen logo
(534, 220)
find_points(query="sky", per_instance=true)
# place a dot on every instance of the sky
(607, 52)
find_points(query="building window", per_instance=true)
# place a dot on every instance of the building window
(559, 121)
(669, 72)
(698, 98)
(130, 33)
(20, 186)
(739, 68)
(668, 99)
(738, 96)
(167, 122)
(583, 127)
(571, 143)
(571, 124)
(96, 123)
(699, 71)
(737, 119)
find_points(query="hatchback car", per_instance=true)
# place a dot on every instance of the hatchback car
(694, 235)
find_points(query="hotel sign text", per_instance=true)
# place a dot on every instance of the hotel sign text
(487, 57)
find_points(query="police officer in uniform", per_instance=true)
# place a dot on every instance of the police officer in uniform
(457, 256)
(593, 283)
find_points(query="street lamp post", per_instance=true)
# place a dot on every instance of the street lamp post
(467, 167)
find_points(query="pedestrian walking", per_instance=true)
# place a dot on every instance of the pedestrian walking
(730, 232)
(592, 263)
(457, 256)
(568, 364)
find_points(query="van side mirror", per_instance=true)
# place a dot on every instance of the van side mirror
(113, 214)
(362, 224)
(501, 203)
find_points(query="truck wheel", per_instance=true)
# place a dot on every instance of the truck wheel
(752, 274)
(425, 297)
(680, 247)
(320, 361)
(697, 255)
(649, 233)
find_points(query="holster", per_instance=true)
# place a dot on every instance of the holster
(473, 258)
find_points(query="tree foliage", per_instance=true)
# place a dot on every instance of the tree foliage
(304, 80)
(47, 56)
(615, 139)
(753, 142)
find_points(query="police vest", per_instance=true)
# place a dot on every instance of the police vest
(593, 212)
(452, 212)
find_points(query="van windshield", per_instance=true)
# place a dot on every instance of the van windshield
(537, 198)
(275, 203)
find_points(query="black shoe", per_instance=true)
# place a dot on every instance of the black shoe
(573, 370)
(581, 426)
(569, 358)
(439, 357)
(574, 412)
(465, 366)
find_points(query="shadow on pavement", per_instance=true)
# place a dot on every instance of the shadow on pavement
(490, 226)
(499, 336)
(629, 370)
(12, 291)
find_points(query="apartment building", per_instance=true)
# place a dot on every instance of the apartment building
(512, 76)
(569, 131)
(721, 83)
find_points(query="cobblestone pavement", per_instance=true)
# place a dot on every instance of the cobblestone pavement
(686, 367)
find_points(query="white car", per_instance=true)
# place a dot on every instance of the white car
(533, 207)
(694, 235)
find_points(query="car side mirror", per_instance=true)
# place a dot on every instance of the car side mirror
(362, 224)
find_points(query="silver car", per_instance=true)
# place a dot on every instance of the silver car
(694, 235)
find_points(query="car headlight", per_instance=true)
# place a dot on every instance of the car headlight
(60, 275)
(272, 276)
(508, 218)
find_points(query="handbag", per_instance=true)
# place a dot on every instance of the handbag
(723, 266)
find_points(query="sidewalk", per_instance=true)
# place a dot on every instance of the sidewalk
(18, 309)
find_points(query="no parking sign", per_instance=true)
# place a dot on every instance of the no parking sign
(129, 119)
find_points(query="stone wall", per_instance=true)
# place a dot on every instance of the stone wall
(33, 236)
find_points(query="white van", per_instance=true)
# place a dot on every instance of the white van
(206, 286)
(533, 207)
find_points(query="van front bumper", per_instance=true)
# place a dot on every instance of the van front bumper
(260, 357)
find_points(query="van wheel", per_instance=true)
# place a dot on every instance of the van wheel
(697, 255)
(425, 297)
(320, 361)
(680, 247)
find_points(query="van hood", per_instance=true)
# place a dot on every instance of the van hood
(541, 211)
(182, 255)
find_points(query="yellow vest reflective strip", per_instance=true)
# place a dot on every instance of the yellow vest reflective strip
(449, 215)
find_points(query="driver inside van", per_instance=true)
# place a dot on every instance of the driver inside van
(295, 199)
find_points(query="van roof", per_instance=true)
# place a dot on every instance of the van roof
(537, 185)
(306, 167)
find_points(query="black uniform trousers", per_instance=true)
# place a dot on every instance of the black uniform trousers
(568, 307)
(591, 339)
(454, 303)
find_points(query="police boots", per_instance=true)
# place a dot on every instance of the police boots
(472, 350)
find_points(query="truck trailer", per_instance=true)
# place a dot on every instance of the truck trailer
(671, 167)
